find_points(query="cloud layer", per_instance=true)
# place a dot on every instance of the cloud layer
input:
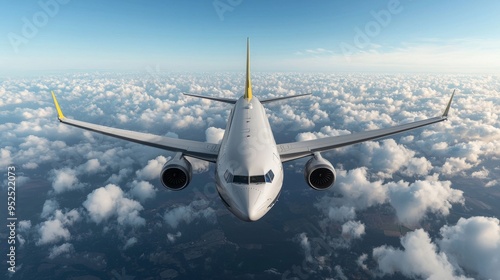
(472, 244)
(422, 176)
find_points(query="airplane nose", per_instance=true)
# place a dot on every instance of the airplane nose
(250, 215)
(247, 203)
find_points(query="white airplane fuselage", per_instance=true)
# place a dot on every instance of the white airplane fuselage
(249, 172)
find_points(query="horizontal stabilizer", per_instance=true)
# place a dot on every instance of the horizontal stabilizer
(225, 100)
(281, 98)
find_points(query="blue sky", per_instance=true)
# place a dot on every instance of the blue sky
(419, 36)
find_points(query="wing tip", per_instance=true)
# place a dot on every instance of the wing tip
(446, 111)
(60, 114)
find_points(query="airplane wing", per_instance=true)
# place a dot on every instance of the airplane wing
(296, 150)
(196, 149)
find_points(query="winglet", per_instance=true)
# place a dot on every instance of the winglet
(60, 115)
(248, 82)
(445, 114)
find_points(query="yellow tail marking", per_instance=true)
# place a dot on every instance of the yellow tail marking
(248, 82)
(59, 111)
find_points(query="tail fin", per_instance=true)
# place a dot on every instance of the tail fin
(248, 82)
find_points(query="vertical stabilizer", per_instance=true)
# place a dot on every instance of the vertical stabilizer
(248, 82)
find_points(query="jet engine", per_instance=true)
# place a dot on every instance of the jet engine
(319, 173)
(176, 173)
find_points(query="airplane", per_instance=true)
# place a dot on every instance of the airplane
(249, 164)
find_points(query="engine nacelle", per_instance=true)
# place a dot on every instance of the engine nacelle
(176, 173)
(319, 173)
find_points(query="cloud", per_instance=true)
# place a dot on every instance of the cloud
(454, 165)
(24, 226)
(300, 120)
(172, 237)
(129, 243)
(55, 229)
(36, 150)
(143, 190)
(491, 183)
(92, 166)
(199, 166)
(109, 201)
(353, 230)
(198, 209)
(65, 248)
(388, 157)
(39, 113)
(464, 149)
(361, 261)
(474, 244)
(65, 180)
(116, 178)
(357, 191)
(5, 158)
(339, 214)
(214, 135)
(325, 131)
(418, 259)
(305, 245)
(49, 207)
(152, 169)
(481, 174)
(417, 166)
(413, 201)
(340, 273)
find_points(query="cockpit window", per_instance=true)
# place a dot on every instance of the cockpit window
(240, 179)
(269, 176)
(257, 179)
(228, 176)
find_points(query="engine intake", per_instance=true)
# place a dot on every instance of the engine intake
(176, 173)
(319, 173)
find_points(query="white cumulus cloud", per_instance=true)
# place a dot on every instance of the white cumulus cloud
(56, 229)
(419, 258)
(198, 209)
(214, 134)
(65, 180)
(353, 229)
(109, 201)
(152, 169)
(143, 190)
(474, 244)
